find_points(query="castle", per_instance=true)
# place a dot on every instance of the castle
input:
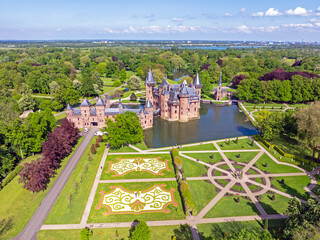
(219, 93)
(175, 102)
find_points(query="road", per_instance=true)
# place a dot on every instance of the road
(33, 226)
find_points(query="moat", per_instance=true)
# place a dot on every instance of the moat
(215, 123)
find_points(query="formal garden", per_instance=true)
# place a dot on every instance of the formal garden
(205, 185)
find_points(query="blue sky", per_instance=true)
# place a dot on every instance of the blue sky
(273, 20)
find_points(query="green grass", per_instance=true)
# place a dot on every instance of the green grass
(61, 212)
(96, 216)
(273, 167)
(137, 174)
(18, 204)
(216, 230)
(60, 116)
(200, 147)
(278, 206)
(202, 192)
(244, 143)
(245, 157)
(161, 232)
(246, 104)
(141, 146)
(227, 207)
(205, 157)
(293, 185)
(193, 169)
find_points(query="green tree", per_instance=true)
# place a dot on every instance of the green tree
(205, 80)
(125, 129)
(26, 102)
(134, 83)
(86, 233)
(183, 232)
(140, 232)
(123, 75)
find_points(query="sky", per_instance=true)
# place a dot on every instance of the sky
(256, 20)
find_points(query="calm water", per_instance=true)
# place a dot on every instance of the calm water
(214, 123)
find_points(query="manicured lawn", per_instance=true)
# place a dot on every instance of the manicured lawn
(243, 157)
(266, 105)
(141, 146)
(137, 174)
(60, 116)
(161, 232)
(202, 192)
(272, 166)
(18, 205)
(96, 216)
(216, 230)
(205, 157)
(201, 147)
(278, 206)
(242, 144)
(61, 212)
(193, 169)
(227, 207)
(293, 185)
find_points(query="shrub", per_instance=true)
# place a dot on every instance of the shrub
(189, 205)
(11, 176)
(175, 152)
(93, 149)
(177, 161)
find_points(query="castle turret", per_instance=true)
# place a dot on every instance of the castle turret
(107, 101)
(148, 107)
(85, 112)
(150, 84)
(164, 97)
(184, 95)
(219, 89)
(69, 111)
(164, 84)
(100, 107)
(197, 84)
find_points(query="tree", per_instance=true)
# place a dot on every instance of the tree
(140, 232)
(158, 75)
(252, 235)
(134, 83)
(125, 129)
(133, 97)
(205, 80)
(86, 233)
(272, 125)
(26, 102)
(183, 232)
(123, 75)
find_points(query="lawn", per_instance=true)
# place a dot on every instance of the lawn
(217, 230)
(243, 157)
(278, 206)
(293, 185)
(141, 146)
(60, 116)
(61, 212)
(244, 143)
(202, 192)
(18, 205)
(137, 174)
(273, 167)
(246, 104)
(201, 147)
(160, 232)
(227, 207)
(96, 216)
(193, 169)
(205, 157)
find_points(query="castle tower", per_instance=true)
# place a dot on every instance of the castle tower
(85, 112)
(107, 101)
(69, 111)
(100, 107)
(163, 84)
(148, 107)
(183, 95)
(219, 89)
(197, 84)
(164, 97)
(150, 84)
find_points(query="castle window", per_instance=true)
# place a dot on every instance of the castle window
(175, 111)
(195, 109)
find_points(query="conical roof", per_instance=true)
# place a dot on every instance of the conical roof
(165, 91)
(85, 103)
(148, 104)
(69, 107)
(196, 81)
(164, 83)
(183, 89)
(150, 78)
(100, 102)
(220, 80)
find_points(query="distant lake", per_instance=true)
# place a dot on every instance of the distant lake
(215, 123)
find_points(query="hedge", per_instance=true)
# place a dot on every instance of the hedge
(189, 205)
(177, 161)
(175, 152)
(11, 176)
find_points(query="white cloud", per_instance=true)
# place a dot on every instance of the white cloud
(318, 9)
(243, 29)
(109, 30)
(298, 11)
(300, 25)
(227, 14)
(243, 10)
(257, 14)
(175, 19)
(271, 12)
(59, 29)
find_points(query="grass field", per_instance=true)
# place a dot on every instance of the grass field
(201, 147)
(60, 116)
(202, 192)
(243, 157)
(227, 207)
(293, 185)
(137, 174)
(141, 146)
(206, 157)
(193, 169)
(61, 212)
(278, 206)
(18, 205)
(244, 143)
(161, 232)
(96, 216)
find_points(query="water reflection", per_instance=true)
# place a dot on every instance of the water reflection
(214, 123)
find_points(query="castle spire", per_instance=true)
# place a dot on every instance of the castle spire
(220, 80)
(150, 79)
(197, 82)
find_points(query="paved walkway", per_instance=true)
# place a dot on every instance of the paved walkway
(33, 226)
(200, 217)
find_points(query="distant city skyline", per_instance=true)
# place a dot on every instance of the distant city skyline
(162, 20)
